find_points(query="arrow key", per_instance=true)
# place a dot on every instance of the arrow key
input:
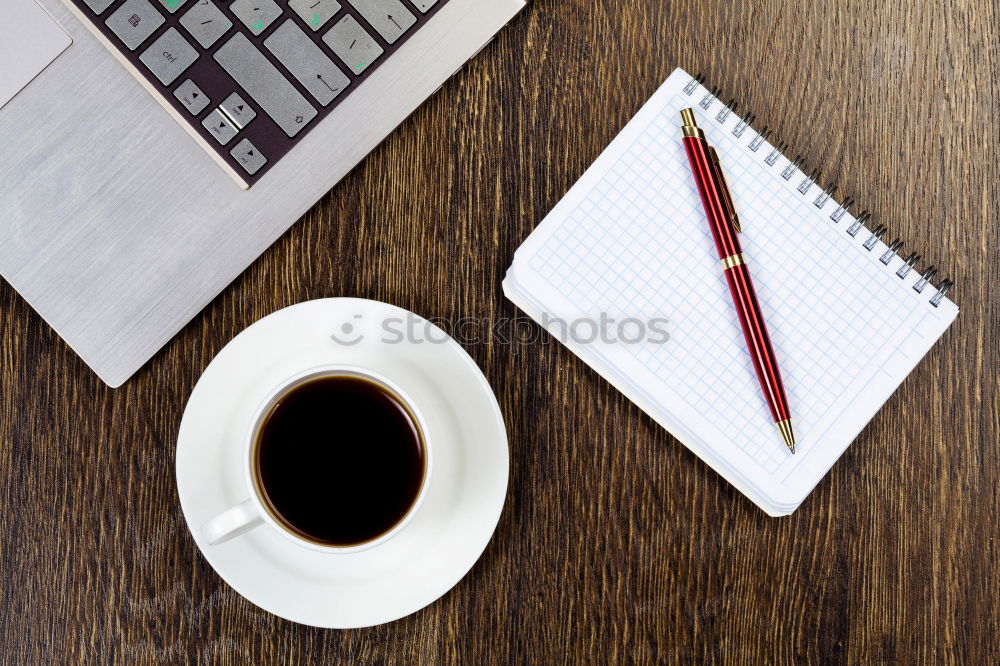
(238, 111)
(248, 156)
(220, 127)
(191, 96)
(389, 17)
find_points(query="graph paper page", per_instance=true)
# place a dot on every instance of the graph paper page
(630, 241)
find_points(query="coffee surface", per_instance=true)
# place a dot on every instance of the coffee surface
(339, 460)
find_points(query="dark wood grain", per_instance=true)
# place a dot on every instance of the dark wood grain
(616, 543)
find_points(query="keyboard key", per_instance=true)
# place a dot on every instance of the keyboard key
(248, 156)
(238, 111)
(256, 14)
(220, 127)
(389, 17)
(307, 62)
(352, 44)
(206, 22)
(99, 5)
(172, 5)
(315, 12)
(134, 22)
(169, 56)
(191, 96)
(260, 71)
(424, 5)
(265, 84)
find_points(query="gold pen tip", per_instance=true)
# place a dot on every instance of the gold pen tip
(785, 428)
(687, 118)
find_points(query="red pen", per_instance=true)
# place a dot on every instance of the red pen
(724, 223)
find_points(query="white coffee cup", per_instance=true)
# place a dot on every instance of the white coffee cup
(254, 512)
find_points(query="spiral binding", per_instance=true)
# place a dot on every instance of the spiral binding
(798, 165)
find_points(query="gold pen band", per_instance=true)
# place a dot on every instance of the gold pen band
(732, 261)
(690, 125)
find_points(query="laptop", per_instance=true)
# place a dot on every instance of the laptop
(152, 149)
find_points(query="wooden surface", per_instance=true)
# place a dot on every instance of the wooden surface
(616, 543)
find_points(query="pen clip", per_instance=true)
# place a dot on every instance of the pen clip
(727, 198)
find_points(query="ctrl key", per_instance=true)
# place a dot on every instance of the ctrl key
(248, 156)
(169, 56)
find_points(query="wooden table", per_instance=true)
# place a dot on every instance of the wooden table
(616, 543)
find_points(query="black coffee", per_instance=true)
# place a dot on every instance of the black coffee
(339, 460)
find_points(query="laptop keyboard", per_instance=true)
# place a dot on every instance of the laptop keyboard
(252, 77)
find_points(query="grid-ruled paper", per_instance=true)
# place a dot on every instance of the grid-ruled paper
(631, 241)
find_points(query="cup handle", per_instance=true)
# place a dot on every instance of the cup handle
(231, 523)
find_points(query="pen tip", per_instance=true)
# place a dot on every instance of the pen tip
(785, 428)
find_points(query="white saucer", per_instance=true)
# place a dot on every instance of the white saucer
(449, 531)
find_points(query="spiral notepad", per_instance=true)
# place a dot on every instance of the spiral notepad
(628, 253)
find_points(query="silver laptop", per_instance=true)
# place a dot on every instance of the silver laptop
(152, 149)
